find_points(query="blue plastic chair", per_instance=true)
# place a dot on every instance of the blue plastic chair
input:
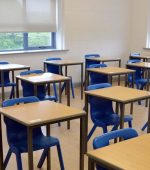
(102, 113)
(89, 62)
(96, 78)
(17, 136)
(55, 69)
(139, 81)
(28, 88)
(7, 82)
(104, 139)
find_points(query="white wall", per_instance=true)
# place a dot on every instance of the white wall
(139, 26)
(97, 26)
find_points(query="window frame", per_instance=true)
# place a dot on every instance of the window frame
(26, 45)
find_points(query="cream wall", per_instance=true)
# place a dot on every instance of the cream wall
(139, 16)
(97, 26)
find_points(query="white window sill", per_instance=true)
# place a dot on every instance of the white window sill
(146, 48)
(33, 51)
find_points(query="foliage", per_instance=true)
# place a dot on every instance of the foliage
(14, 41)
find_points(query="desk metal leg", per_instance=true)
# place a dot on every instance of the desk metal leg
(131, 107)
(17, 87)
(122, 110)
(68, 99)
(119, 80)
(35, 89)
(30, 149)
(59, 92)
(83, 140)
(44, 67)
(119, 63)
(148, 77)
(48, 154)
(82, 81)
(148, 128)
(13, 80)
(110, 79)
(90, 164)
(66, 74)
(86, 79)
(1, 146)
(2, 84)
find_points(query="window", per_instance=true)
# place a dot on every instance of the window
(27, 41)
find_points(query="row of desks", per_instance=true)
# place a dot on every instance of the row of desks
(59, 63)
(47, 112)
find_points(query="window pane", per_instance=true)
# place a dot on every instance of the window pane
(11, 41)
(39, 39)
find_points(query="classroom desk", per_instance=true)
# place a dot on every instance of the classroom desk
(132, 154)
(66, 63)
(144, 58)
(45, 78)
(104, 59)
(122, 96)
(10, 67)
(44, 113)
(110, 71)
(144, 66)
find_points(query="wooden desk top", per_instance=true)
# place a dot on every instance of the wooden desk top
(141, 57)
(63, 62)
(13, 67)
(132, 154)
(43, 78)
(40, 112)
(103, 59)
(111, 70)
(140, 64)
(120, 94)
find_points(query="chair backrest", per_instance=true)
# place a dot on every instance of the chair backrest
(28, 88)
(16, 131)
(52, 68)
(6, 73)
(96, 78)
(89, 62)
(100, 108)
(138, 71)
(104, 139)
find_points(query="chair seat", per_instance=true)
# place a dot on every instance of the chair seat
(53, 98)
(42, 142)
(141, 81)
(8, 84)
(113, 119)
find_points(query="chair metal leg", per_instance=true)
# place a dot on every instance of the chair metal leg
(7, 158)
(115, 127)
(55, 91)
(42, 159)
(130, 124)
(12, 93)
(145, 126)
(91, 132)
(105, 129)
(60, 157)
(19, 162)
(72, 88)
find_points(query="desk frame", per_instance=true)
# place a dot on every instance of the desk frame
(83, 140)
(67, 81)
(13, 77)
(121, 104)
(110, 75)
(60, 65)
